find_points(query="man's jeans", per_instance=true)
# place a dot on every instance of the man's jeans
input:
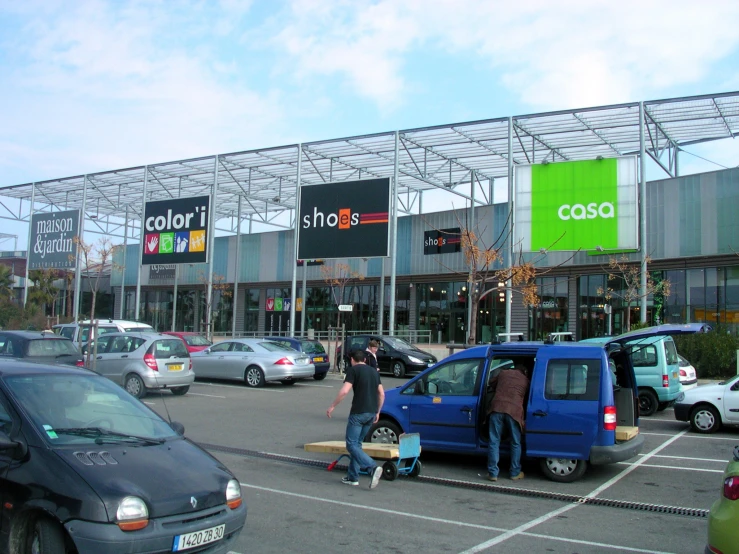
(356, 429)
(497, 423)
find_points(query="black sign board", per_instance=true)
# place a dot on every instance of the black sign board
(176, 231)
(443, 241)
(52, 240)
(344, 220)
(160, 272)
(309, 263)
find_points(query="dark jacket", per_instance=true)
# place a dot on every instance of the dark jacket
(510, 389)
(370, 359)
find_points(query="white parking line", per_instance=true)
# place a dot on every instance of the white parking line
(311, 385)
(239, 387)
(396, 514)
(718, 461)
(691, 436)
(546, 517)
(676, 467)
(208, 395)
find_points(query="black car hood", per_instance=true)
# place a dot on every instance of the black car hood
(425, 356)
(167, 477)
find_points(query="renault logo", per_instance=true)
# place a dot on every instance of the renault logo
(193, 502)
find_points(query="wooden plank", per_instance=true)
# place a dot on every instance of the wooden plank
(374, 450)
(626, 433)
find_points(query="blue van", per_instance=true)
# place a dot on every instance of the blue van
(573, 410)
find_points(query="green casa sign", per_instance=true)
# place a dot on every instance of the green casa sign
(576, 205)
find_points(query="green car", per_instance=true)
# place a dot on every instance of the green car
(723, 520)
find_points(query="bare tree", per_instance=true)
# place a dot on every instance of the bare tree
(483, 266)
(630, 275)
(338, 277)
(219, 285)
(95, 259)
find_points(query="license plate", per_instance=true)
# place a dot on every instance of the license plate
(318, 359)
(175, 367)
(198, 538)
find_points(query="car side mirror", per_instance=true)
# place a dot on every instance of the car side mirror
(6, 443)
(420, 387)
(177, 427)
(207, 350)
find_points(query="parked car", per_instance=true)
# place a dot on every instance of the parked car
(253, 361)
(575, 415)
(708, 407)
(655, 360)
(195, 342)
(87, 468)
(723, 519)
(688, 375)
(40, 347)
(140, 362)
(79, 333)
(312, 348)
(394, 355)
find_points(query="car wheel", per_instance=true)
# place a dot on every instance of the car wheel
(389, 471)
(563, 470)
(134, 385)
(398, 369)
(287, 381)
(320, 376)
(705, 419)
(46, 537)
(179, 391)
(384, 432)
(647, 402)
(254, 377)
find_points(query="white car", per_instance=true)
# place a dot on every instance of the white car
(707, 407)
(688, 375)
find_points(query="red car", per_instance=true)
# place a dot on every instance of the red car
(195, 342)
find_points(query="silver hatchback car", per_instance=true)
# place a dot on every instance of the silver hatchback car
(143, 361)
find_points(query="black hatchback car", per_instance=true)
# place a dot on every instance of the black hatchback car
(85, 467)
(311, 347)
(394, 355)
(40, 346)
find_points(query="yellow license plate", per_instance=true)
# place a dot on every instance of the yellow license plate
(175, 367)
(318, 359)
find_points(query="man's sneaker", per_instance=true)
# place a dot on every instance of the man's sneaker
(517, 477)
(348, 481)
(376, 474)
(491, 478)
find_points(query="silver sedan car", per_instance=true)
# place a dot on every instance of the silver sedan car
(253, 361)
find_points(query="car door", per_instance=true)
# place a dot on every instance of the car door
(731, 402)
(213, 361)
(445, 408)
(384, 355)
(108, 349)
(8, 421)
(563, 412)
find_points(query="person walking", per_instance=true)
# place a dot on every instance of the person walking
(507, 409)
(367, 402)
(370, 355)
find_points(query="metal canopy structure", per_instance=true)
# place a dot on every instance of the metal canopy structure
(440, 157)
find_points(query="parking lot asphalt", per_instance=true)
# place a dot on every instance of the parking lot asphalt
(655, 502)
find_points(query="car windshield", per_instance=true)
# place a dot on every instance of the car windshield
(167, 348)
(51, 347)
(312, 347)
(275, 346)
(397, 343)
(83, 409)
(196, 340)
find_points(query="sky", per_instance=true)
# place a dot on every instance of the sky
(90, 85)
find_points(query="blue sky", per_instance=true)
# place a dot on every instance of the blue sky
(96, 85)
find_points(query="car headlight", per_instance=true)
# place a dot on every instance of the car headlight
(233, 494)
(132, 514)
(414, 360)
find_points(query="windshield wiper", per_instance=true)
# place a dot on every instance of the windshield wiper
(100, 433)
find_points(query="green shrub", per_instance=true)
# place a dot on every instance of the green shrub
(713, 354)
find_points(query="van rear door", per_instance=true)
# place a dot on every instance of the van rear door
(563, 415)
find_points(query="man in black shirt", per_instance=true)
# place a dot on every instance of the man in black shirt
(366, 405)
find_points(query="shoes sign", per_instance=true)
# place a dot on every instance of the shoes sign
(176, 231)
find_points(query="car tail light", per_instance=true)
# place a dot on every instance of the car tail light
(151, 361)
(731, 488)
(683, 373)
(609, 418)
(665, 380)
(284, 361)
(80, 363)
